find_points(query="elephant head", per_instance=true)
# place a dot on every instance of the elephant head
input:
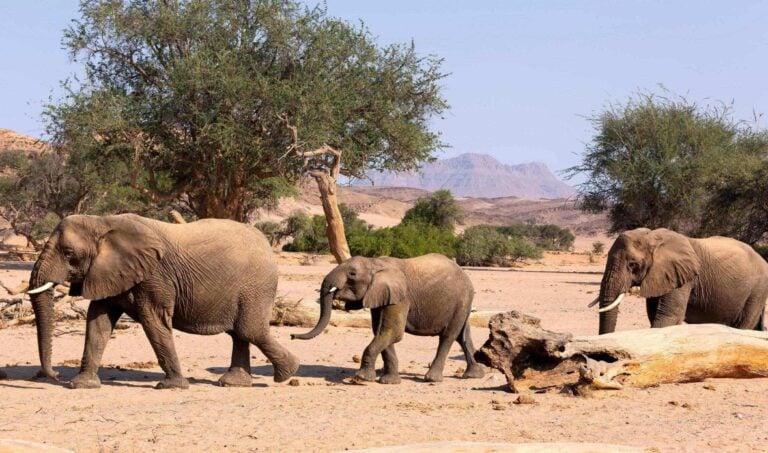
(99, 256)
(649, 263)
(359, 283)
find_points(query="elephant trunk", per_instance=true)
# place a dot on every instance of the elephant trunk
(614, 285)
(48, 269)
(325, 317)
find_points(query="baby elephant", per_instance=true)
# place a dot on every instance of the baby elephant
(426, 295)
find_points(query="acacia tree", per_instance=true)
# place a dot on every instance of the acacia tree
(225, 104)
(654, 161)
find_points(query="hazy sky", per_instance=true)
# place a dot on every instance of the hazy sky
(524, 74)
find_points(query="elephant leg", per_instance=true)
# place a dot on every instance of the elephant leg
(671, 308)
(474, 369)
(391, 373)
(391, 367)
(239, 374)
(435, 372)
(391, 330)
(284, 363)
(751, 317)
(101, 320)
(651, 306)
(157, 323)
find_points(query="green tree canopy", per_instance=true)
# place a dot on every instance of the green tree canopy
(438, 208)
(203, 100)
(654, 161)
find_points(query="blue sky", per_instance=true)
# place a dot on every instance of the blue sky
(524, 74)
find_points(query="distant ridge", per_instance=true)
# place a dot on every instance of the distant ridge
(13, 141)
(480, 176)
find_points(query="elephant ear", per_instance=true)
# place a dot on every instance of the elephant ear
(675, 263)
(387, 288)
(127, 253)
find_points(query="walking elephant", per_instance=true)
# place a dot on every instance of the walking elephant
(428, 296)
(712, 280)
(204, 277)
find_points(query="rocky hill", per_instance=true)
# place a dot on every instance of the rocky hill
(13, 141)
(480, 175)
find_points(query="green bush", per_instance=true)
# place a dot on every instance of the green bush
(272, 230)
(405, 240)
(547, 237)
(439, 209)
(484, 245)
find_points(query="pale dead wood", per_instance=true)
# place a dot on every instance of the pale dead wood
(176, 217)
(324, 165)
(303, 313)
(19, 289)
(521, 349)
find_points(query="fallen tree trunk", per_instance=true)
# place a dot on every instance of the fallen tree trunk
(304, 313)
(520, 348)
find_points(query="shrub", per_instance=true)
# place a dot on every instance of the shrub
(486, 245)
(598, 248)
(439, 209)
(547, 237)
(272, 230)
(405, 240)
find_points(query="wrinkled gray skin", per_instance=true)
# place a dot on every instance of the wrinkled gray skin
(428, 295)
(204, 277)
(713, 280)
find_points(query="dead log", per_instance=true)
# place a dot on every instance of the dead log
(19, 289)
(176, 217)
(304, 313)
(522, 350)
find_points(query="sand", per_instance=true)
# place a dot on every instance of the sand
(325, 413)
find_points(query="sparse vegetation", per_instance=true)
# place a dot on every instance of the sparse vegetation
(658, 161)
(598, 248)
(223, 105)
(438, 208)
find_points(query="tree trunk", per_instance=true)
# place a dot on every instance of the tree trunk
(337, 240)
(522, 350)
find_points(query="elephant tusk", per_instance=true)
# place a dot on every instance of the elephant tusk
(613, 305)
(39, 290)
(333, 290)
(592, 304)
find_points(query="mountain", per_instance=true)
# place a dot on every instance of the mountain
(480, 176)
(13, 141)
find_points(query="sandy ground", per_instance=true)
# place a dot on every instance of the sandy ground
(324, 413)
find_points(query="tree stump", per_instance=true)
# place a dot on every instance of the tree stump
(520, 348)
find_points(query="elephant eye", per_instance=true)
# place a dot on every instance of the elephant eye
(633, 265)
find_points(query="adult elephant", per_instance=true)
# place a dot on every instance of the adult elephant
(428, 295)
(712, 280)
(204, 277)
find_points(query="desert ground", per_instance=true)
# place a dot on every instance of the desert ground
(325, 412)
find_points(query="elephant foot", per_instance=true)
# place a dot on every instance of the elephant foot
(235, 377)
(85, 381)
(433, 376)
(286, 368)
(173, 383)
(475, 371)
(390, 378)
(54, 376)
(364, 375)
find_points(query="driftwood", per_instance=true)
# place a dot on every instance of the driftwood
(521, 349)
(176, 217)
(304, 313)
(15, 310)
